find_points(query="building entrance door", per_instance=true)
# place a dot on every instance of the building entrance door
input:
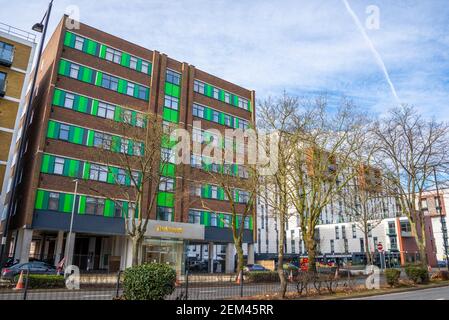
(170, 252)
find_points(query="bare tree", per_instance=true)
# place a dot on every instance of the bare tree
(133, 159)
(410, 147)
(277, 115)
(323, 162)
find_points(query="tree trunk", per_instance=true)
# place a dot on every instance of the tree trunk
(239, 249)
(280, 269)
(136, 243)
(311, 253)
(369, 258)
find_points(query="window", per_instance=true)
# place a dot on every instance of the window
(346, 245)
(2, 82)
(113, 55)
(127, 116)
(198, 111)
(94, 206)
(64, 132)
(121, 177)
(332, 246)
(124, 144)
(167, 184)
(74, 70)
(215, 116)
(216, 93)
(214, 192)
(195, 161)
(167, 155)
(391, 228)
(375, 241)
(135, 178)
(173, 77)
(405, 226)
(246, 226)
(198, 87)
(227, 221)
(354, 231)
(197, 135)
(53, 201)
(362, 245)
(145, 67)
(6, 52)
(106, 110)
(213, 220)
(195, 190)
(343, 232)
(69, 101)
(171, 102)
(140, 120)
(243, 103)
(370, 229)
(227, 97)
(79, 43)
(102, 140)
(59, 166)
(109, 82)
(133, 63)
(130, 89)
(118, 211)
(227, 120)
(337, 233)
(141, 92)
(164, 213)
(98, 173)
(195, 216)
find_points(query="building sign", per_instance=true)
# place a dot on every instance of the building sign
(174, 230)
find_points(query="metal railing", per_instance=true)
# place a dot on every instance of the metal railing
(17, 32)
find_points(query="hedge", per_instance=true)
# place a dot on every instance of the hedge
(151, 281)
(262, 276)
(392, 276)
(417, 273)
(42, 281)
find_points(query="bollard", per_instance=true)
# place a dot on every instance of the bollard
(26, 284)
(118, 284)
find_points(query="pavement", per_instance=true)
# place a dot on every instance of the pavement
(439, 293)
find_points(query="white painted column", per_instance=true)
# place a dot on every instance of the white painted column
(250, 253)
(25, 236)
(58, 251)
(69, 248)
(230, 258)
(18, 238)
(211, 255)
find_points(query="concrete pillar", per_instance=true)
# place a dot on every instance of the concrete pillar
(211, 254)
(91, 253)
(250, 253)
(69, 248)
(25, 236)
(18, 239)
(230, 258)
(58, 249)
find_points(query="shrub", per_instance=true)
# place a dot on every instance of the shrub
(43, 281)
(417, 274)
(392, 276)
(151, 281)
(441, 275)
(262, 276)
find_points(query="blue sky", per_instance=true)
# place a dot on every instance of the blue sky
(305, 47)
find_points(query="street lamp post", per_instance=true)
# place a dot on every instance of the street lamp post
(41, 28)
(443, 225)
(68, 257)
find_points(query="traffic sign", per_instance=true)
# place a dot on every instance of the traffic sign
(380, 247)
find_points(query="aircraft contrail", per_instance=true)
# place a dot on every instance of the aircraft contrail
(373, 49)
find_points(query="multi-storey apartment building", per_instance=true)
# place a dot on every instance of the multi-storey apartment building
(16, 56)
(87, 80)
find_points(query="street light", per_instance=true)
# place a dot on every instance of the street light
(68, 259)
(40, 27)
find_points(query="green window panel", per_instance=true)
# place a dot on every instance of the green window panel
(125, 59)
(64, 67)
(172, 90)
(166, 199)
(86, 171)
(109, 208)
(94, 110)
(112, 174)
(221, 220)
(39, 204)
(102, 51)
(78, 135)
(73, 168)
(208, 114)
(81, 204)
(116, 143)
(82, 104)
(251, 222)
(65, 202)
(86, 74)
(99, 78)
(235, 100)
(58, 97)
(139, 64)
(90, 138)
(168, 170)
(220, 194)
(122, 86)
(249, 106)
(91, 47)
(46, 161)
(205, 218)
(208, 90)
(170, 115)
(222, 95)
(53, 129)
(69, 39)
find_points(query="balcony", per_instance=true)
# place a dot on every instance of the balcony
(17, 32)
(406, 234)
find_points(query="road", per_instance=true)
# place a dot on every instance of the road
(441, 293)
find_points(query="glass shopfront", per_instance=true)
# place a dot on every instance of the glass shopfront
(171, 252)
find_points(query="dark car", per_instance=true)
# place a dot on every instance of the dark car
(254, 268)
(9, 262)
(34, 267)
(198, 266)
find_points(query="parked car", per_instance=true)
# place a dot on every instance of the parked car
(198, 266)
(254, 268)
(35, 267)
(9, 262)
(441, 264)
